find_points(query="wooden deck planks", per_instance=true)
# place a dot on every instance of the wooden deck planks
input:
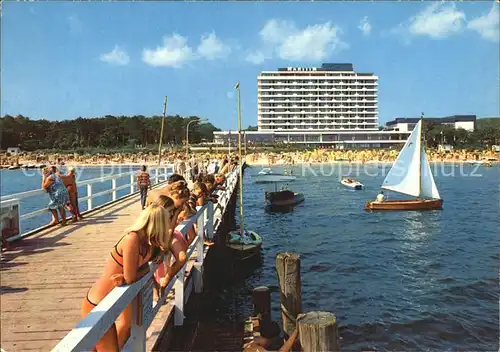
(44, 279)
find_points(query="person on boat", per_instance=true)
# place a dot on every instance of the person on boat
(128, 262)
(380, 197)
(143, 184)
(58, 194)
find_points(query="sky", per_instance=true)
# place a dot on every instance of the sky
(62, 60)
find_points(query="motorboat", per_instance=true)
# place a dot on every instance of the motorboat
(265, 171)
(244, 245)
(272, 178)
(284, 198)
(14, 167)
(410, 175)
(353, 184)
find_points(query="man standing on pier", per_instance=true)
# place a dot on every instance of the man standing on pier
(143, 183)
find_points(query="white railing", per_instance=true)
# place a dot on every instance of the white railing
(91, 329)
(158, 175)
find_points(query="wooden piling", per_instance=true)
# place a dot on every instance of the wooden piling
(288, 270)
(261, 298)
(318, 331)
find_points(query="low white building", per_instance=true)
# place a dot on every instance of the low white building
(14, 150)
(403, 124)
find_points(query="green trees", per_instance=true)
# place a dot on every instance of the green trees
(105, 132)
(487, 133)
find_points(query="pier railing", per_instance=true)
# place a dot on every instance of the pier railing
(140, 294)
(158, 175)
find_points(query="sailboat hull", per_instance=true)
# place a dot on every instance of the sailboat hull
(418, 204)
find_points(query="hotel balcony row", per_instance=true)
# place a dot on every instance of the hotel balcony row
(311, 97)
(308, 118)
(317, 82)
(330, 123)
(315, 87)
(318, 108)
(341, 78)
(340, 114)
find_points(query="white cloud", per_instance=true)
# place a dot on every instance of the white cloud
(174, 52)
(437, 21)
(256, 57)
(365, 26)
(117, 56)
(212, 47)
(283, 39)
(487, 25)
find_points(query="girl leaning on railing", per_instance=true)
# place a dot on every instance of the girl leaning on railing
(128, 261)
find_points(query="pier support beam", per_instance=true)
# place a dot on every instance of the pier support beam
(288, 270)
(261, 297)
(318, 331)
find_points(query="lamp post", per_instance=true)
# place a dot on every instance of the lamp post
(187, 134)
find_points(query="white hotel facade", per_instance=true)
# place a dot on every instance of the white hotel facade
(330, 105)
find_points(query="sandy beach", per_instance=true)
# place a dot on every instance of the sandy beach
(317, 156)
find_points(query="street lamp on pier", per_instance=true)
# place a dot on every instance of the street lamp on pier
(187, 134)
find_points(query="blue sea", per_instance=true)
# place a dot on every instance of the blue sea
(397, 281)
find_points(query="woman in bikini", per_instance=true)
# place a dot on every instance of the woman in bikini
(127, 263)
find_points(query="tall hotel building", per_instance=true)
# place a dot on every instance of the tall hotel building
(333, 97)
(328, 105)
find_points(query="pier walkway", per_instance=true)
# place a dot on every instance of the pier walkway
(46, 276)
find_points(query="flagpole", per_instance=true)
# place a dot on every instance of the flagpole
(161, 132)
(237, 87)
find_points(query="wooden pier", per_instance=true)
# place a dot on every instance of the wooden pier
(46, 276)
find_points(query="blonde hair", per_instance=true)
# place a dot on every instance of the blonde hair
(155, 223)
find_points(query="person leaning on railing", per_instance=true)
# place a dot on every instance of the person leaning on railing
(69, 180)
(128, 262)
(57, 193)
(153, 195)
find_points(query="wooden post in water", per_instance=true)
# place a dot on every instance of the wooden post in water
(288, 270)
(261, 298)
(318, 331)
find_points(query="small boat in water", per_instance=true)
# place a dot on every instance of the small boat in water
(244, 245)
(14, 167)
(284, 198)
(265, 171)
(410, 175)
(272, 178)
(349, 182)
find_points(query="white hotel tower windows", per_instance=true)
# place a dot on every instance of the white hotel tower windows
(330, 98)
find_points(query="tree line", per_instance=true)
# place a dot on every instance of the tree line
(486, 133)
(110, 132)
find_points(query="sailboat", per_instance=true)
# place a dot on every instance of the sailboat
(243, 243)
(410, 175)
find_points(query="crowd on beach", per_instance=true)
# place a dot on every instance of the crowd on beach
(318, 155)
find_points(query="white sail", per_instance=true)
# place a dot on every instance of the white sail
(403, 177)
(429, 189)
